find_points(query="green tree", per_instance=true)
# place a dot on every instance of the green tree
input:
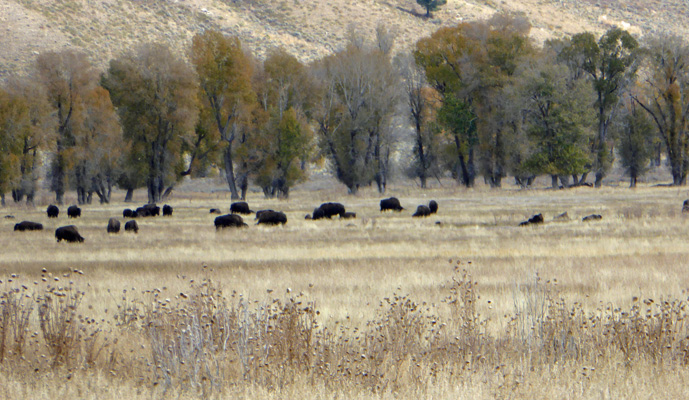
(555, 118)
(635, 137)
(431, 5)
(155, 94)
(611, 65)
(14, 120)
(665, 97)
(224, 72)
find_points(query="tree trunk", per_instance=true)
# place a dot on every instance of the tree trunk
(229, 172)
(130, 194)
(2, 200)
(632, 181)
(167, 192)
(553, 181)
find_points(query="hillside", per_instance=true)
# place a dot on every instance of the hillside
(308, 29)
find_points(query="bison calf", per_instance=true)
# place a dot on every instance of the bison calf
(113, 225)
(68, 233)
(53, 211)
(73, 212)
(131, 226)
(28, 226)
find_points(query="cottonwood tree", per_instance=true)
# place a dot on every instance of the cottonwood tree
(224, 73)
(14, 120)
(666, 98)
(635, 134)
(611, 65)
(68, 78)
(555, 118)
(358, 93)
(431, 5)
(24, 125)
(155, 93)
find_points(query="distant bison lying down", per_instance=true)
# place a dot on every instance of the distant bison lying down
(536, 219)
(240, 207)
(113, 225)
(229, 221)
(270, 217)
(390, 204)
(422, 211)
(68, 233)
(53, 211)
(433, 206)
(592, 217)
(131, 226)
(28, 226)
(215, 211)
(73, 212)
(167, 211)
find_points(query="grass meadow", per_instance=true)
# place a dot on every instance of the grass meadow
(464, 304)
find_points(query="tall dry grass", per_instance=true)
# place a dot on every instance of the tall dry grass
(384, 306)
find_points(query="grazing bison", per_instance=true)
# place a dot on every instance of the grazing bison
(68, 233)
(318, 213)
(131, 226)
(592, 217)
(53, 211)
(348, 215)
(28, 226)
(564, 217)
(167, 211)
(272, 218)
(73, 212)
(422, 211)
(390, 204)
(215, 211)
(153, 209)
(240, 207)
(113, 225)
(229, 221)
(331, 209)
(536, 219)
(433, 206)
(127, 213)
(685, 206)
(261, 212)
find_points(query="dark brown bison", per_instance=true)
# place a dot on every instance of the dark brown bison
(685, 206)
(390, 204)
(127, 213)
(261, 212)
(332, 209)
(131, 226)
(229, 221)
(240, 207)
(215, 211)
(9, 216)
(53, 211)
(153, 209)
(422, 211)
(167, 211)
(68, 233)
(433, 206)
(536, 219)
(592, 217)
(318, 213)
(348, 215)
(272, 218)
(28, 226)
(113, 225)
(73, 212)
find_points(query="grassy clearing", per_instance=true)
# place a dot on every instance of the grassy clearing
(384, 306)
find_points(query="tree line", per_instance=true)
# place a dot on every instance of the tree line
(479, 99)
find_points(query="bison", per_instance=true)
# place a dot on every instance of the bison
(390, 204)
(229, 221)
(536, 219)
(73, 212)
(28, 226)
(592, 217)
(422, 211)
(272, 218)
(113, 225)
(433, 206)
(68, 233)
(53, 211)
(332, 209)
(215, 211)
(153, 209)
(318, 213)
(127, 213)
(131, 226)
(685, 206)
(167, 211)
(240, 207)
(261, 212)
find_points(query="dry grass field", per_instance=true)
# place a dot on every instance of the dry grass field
(464, 304)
